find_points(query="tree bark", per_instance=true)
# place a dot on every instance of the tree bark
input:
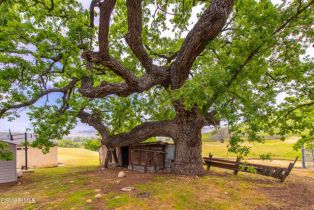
(188, 158)
(188, 140)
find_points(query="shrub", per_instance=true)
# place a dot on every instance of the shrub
(5, 154)
(92, 144)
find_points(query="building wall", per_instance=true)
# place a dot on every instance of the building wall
(36, 159)
(103, 153)
(170, 156)
(8, 168)
(138, 158)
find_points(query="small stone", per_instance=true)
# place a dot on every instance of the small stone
(19, 183)
(102, 169)
(19, 174)
(127, 189)
(121, 174)
(143, 195)
(71, 181)
(88, 200)
(97, 190)
(98, 196)
(118, 181)
(226, 193)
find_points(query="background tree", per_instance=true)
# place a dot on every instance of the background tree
(5, 153)
(66, 143)
(92, 144)
(147, 70)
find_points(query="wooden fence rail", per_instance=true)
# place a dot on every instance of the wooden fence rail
(272, 171)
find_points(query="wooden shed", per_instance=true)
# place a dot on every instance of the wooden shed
(8, 172)
(145, 157)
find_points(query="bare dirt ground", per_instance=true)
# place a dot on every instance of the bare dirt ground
(297, 192)
(68, 188)
(76, 185)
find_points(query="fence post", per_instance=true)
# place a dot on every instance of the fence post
(11, 136)
(237, 164)
(209, 162)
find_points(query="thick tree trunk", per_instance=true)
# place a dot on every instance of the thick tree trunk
(188, 159)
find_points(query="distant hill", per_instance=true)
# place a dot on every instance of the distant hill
(84, 134)
(18, 138)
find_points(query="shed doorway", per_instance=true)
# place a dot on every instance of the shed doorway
(125, 156)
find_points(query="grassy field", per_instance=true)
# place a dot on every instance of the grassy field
(280, 150)
(75, 185)
(78, 156)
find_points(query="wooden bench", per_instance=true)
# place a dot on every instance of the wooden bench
(272, 171)
(222, 163)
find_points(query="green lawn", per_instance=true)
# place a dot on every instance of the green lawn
(78, 156)
(75, 185)
(280, 150)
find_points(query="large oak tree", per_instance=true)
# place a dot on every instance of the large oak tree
(136, 69)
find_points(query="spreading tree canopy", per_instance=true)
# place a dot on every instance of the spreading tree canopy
(135, 69)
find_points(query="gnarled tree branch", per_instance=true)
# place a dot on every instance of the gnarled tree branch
(136, 135)
(113, 65)
(134, 36)
(143, 83)
(35, 99)
(308, 104)
(206, 29)
(106, 9)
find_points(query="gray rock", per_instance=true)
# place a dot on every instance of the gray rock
(121, 174)
(98, 196)
(143, 195)
(19, 174)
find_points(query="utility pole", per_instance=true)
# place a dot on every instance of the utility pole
(303, 157)
(26, 148)
(10, 135)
